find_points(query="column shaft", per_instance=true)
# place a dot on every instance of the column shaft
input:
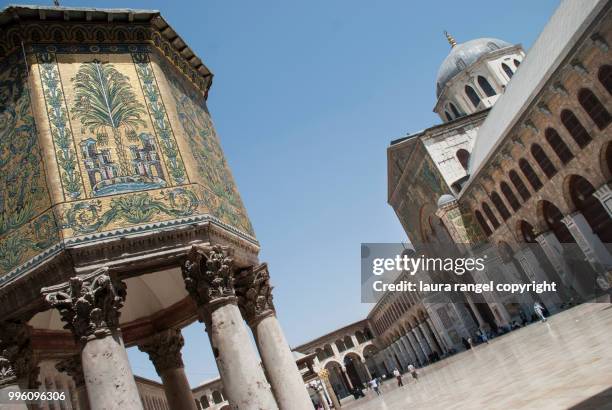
(285, 378)
(90, 307)
(164, 350)
(243, 378)
(177, 390)
(416, 347)
(108, 376)
(589, 242)
(604, 195)
(209, 278)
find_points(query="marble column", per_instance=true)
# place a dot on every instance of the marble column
(416, 347)
(324, 376)
(553, 249)
(254, 294)
(604, 195)
(365, 366)
(89, 306)
(347, 378)
(444, 344)
(429, 338)
(403, 355)
(413, 357)
(592, 247)
(533, 269)
(72, 367)
(164, 350)
(18, 370)
(209, 278)
(422, 343)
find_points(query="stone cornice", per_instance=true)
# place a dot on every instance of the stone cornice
(26, 25)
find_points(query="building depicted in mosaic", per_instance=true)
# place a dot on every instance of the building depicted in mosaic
(521, 166)
(120, 221)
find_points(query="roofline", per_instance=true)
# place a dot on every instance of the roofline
(493, 53)
(68, 8)
(364, 320)
(434, 127)
(191, 65)
(600, 8)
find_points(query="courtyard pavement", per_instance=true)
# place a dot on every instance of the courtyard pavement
(565, 363)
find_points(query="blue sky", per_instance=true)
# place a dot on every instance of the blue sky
(306, 97)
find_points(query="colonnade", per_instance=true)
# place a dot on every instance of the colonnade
(225, 296)
(413, 346)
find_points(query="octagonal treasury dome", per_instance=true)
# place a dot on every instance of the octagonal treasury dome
(464, 55)
(128, 181)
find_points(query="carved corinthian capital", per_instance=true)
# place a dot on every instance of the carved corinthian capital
(164, 350)
(208, 274)
(254, 293)
(16, 361)
(72, 367)
(89, 306)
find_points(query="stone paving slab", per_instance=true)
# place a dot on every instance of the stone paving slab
(565, 363)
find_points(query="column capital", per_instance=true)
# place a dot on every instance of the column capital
(89, 305)
(72, 367)
(254, 293)
(16, 355)
(164, 350)
(208, 274)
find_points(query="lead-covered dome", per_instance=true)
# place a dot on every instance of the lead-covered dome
(463, 55)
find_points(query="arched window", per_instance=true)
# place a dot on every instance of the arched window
(530, 174)
(474, 98)
(581, 192)
(483, 224)
(542, 159)
(348, 342)
(499, 204)
(591, 104)
(329, 352)
(486, 86)
(519, 185)
(463, 156)
(605, 77)
(448, 116)
(575, 128)
(516, 63)
(509, 195)
(553, 217)
(454, 110)
(204, 402)
(528, 232)
(340, 345)
(217, 398)
(558, 145)
(489, 213)
(507, 70)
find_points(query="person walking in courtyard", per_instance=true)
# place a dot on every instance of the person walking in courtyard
(398, 376)
(539, 310)
(413, 372)
(374, 385)
(483, 336)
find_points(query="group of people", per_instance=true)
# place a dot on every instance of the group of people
(482, 336)
(376, 382)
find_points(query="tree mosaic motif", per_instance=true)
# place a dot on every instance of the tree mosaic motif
(103, 101)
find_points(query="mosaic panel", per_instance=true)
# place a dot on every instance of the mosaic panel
(25, 228)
